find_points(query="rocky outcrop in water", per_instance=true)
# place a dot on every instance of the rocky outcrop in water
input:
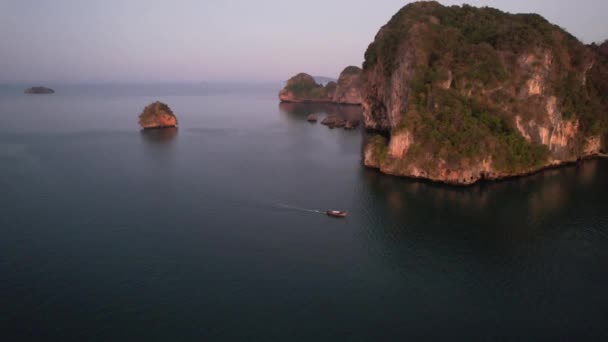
(157, 115)
(311, 118)
(303, 88)
(333, 121)
(39, 90)
(466, 93)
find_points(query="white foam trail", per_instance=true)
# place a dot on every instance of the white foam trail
(287, 206)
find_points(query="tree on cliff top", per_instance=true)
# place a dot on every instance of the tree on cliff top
(303, 84)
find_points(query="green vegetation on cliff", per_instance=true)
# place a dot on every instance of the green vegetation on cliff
(378, 146)
(303, 85)
(331, 87)
(351, 70)
(463, 129)
(304, 88)
(461, 32)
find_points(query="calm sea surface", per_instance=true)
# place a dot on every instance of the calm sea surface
(209, 232)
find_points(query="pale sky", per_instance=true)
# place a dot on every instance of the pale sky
(217, 40)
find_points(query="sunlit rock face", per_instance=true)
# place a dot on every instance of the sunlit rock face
(459, 105)
(157, 115)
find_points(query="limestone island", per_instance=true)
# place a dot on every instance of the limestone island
(39, 90)
(157, 115)
(461, 94)
(303, 88)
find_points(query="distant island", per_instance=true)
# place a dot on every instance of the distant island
(304, 88)
(157, 115)
(39, 90)
(323, 79)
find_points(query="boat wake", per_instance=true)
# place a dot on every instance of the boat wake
(292, 207)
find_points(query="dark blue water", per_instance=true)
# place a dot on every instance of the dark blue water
(205, 232)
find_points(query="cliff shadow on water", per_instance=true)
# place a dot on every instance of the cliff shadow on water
(159, 136)
(159, 147)
(489, 215)
(300, 111)
(501, 244)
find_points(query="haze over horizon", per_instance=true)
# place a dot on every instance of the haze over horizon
(190, 41)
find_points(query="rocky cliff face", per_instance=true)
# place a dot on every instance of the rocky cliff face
(604, 48)
(466, 94)
(157, 115)
(348, 89)
(303, 88)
